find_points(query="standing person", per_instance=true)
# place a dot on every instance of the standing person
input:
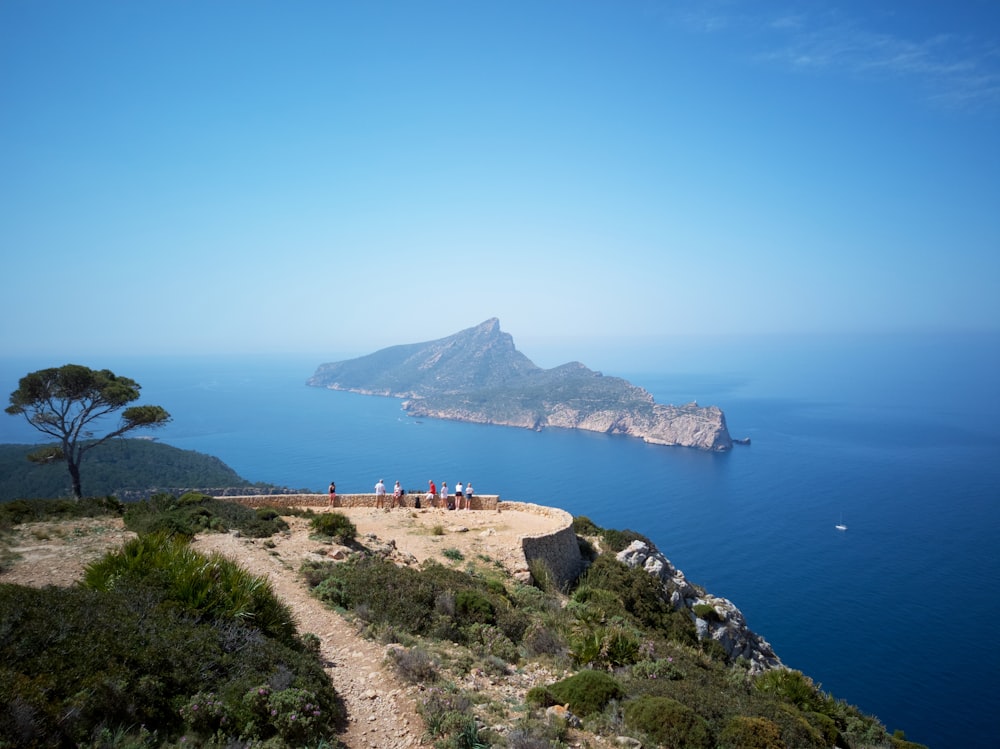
(380, 495)
(468, 496)
(397, 495)
(431, 493)
(458, 496)
(333, 494)
(444, 495)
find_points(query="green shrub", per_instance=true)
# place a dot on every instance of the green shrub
(194, 513)
(453, 554)
(602, 646)
(663, 668)
(334, 525)
(792, 687)
(206, 587)
(541, 575)
(489, 640)
(826, 726)
(471, 606)
(434, 601)
(745, 732)
(80, 663)
(714, 650)
(444, 713)
(584, 526)
(33, 510)
(587, 692)
(668, 722)
(618, 540)
(707, 612)
(633, 592)
(541, 696)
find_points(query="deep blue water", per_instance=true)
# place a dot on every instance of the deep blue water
(898, 438)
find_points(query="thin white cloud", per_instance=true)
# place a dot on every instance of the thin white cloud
(953, 70)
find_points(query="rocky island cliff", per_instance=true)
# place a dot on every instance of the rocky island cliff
(478, 375)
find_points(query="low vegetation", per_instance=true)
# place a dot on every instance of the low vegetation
(161, 646)
(334, 525)
(193, 513)
(621, 659)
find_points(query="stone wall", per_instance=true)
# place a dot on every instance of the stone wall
(479, 501)
(558, 549)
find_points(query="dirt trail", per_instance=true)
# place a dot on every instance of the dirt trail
(381, 709)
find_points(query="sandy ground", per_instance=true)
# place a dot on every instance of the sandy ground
(381, 708)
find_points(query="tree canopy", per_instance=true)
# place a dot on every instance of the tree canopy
(65, 402)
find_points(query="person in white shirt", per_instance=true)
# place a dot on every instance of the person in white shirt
(380, 495)
(458, 496)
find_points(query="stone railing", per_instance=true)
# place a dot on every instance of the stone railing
(479, 501)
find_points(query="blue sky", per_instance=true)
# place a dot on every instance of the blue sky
(258, 177)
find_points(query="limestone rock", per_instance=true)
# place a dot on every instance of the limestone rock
(730, 630)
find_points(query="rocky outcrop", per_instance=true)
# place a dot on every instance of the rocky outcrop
(686, 426)
(477, 375)
(714, 618)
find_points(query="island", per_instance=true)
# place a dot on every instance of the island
(478, 375)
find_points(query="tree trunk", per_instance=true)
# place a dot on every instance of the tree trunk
(74, 474)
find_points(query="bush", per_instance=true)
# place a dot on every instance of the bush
(605, 646)
(212, 588)
(541, 575)
(792, 687)
(434, 601)
(472, 607)
(32, 510)
(334, 525)
(744, 732)
(541, 640)
(586, 692)
(707, 612)
(194, 513)
(79, 663)
(668, 722)
(444, 713)
(584, 526)
(414, 664)
(618, 540)
(633, 592)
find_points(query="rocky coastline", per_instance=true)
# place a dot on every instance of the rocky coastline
(477, 375)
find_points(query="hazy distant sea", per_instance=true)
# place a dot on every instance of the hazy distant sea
(896, 437)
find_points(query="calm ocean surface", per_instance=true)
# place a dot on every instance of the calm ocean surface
(897, 437)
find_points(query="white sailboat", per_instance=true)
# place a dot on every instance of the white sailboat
(840, 526)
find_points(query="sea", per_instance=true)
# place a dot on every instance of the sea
(895, 437)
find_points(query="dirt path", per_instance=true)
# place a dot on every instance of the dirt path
(381, 709)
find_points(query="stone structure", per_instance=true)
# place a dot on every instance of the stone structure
(558, 550)
(479, 501)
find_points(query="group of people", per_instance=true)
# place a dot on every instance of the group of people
(449, 501)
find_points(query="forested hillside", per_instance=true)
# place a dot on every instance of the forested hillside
(122, 464)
